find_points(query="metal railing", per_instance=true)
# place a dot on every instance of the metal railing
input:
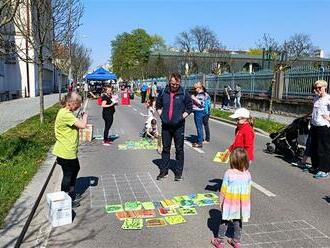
(297, 81)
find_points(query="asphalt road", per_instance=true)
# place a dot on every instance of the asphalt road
(289, 207)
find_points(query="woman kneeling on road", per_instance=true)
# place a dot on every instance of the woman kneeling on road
(66, 146)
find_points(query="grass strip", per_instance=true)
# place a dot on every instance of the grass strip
(264, 124)
(22, 151)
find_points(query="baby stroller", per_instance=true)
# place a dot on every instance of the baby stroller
(290, 141)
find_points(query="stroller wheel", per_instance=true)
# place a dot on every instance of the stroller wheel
(300, 152)
(270, 147)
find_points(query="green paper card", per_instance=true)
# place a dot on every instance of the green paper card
(188, 211)
(132, 224)
(114, 208)
(133, 205)
(148, 205)
(122, 147)
(176, 219)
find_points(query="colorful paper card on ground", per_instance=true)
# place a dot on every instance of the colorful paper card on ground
(176, 219)
(132, 224)
(114, 208)
(155, 222)
(188, 211)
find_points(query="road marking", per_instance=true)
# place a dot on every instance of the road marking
(104, 194)
(143, 114)
(196, 149)
(114, 177)
(263, 190)
(153, 181)
(134, 109)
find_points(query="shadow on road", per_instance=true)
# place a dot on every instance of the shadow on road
(83, 183)
(213, 222)
(327, 198)
(215, 185)
(159, 163)
(191, 138)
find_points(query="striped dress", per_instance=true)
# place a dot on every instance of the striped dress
(235, 195)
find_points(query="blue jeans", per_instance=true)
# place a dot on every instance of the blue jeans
(237, 102)
(198, 118)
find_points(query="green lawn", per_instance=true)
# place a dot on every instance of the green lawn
(263, 124)
(22, 151)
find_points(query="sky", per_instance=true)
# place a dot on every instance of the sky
(238, 24)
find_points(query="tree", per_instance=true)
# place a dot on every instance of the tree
(204, 38)
(298, 45)
(8, 9)
(39, 22)
(184, 41)
(130, 53)
(81, 61)
(268, 43)
(284, 55)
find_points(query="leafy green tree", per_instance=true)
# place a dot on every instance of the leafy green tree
(130, 53)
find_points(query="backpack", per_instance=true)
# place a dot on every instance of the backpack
(207, 105)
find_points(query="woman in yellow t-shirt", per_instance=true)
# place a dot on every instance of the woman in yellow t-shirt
(67, 138)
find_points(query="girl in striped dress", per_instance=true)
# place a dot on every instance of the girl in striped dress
(234, 198)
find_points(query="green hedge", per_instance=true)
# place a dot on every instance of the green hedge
(264, 124)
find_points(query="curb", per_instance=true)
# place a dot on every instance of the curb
(258, 130)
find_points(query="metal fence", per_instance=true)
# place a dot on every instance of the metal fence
(297, 81)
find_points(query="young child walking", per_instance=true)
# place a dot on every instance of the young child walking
(234, 198)
(244, 133)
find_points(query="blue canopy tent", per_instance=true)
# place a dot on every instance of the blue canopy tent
(101, 74)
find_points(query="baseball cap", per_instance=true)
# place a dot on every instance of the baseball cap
(240, 113)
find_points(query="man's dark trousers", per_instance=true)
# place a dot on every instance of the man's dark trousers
(177, 133)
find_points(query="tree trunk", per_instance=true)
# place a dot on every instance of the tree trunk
(40, 83)
(271, 96)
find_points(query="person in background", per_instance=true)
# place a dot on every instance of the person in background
(153, 93)
(199, 112)
(225, 98)
(320, 131)
(173, 105)
(66, 145)
(85, 90)
(143, 89)
(108, 105)
(235, 198)
(238, 95)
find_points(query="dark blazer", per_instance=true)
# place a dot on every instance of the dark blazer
(182, 103)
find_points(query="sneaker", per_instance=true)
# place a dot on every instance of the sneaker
(234, 243)
(162, 175)
(178, 177)
(217, 243)
(206, 141)
(75, 204)
(196, 145)
(321, 175)
(77, 197)
(106, 143)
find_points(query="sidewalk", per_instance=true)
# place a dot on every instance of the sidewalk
(14, 112)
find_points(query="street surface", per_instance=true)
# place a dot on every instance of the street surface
(289, 207)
